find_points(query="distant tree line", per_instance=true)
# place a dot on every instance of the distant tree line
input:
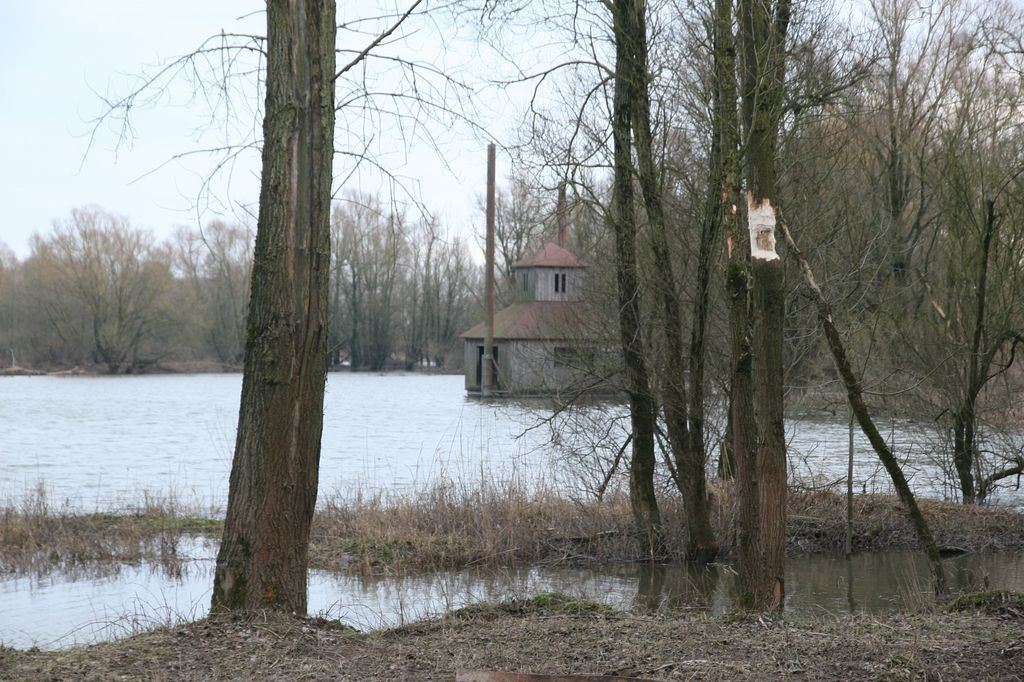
(101, 293)
(401, 291)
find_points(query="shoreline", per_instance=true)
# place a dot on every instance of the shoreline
(200, 367)
(552, 634)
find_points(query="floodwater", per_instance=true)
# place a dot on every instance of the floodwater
(109, 443)
(105, 443)
(117, 601)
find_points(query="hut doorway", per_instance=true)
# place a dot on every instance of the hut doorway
(480, 365)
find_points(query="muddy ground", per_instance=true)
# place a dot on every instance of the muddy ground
(559, 639)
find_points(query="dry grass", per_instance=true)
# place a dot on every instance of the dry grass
(36, 540)
(504, 524)
(490, 524)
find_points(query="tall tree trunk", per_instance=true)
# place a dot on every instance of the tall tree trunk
(642, 496)
(763, 27)
(688, 451)
(711, 227)
(965, 452)
(741, 380)
(262, 562)
(737, 283)
(769, 315)
(855, 394)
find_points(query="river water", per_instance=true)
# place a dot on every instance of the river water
(103, 443)
(109, 443)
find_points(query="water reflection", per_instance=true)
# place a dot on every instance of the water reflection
(866, 582)
(82, 608)
(683, 586)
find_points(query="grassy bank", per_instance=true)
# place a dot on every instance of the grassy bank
(552, 635)
(489, 525)
(502, 525)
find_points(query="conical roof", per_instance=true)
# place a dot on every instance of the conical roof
(551, 256)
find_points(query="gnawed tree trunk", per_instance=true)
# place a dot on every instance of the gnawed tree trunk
(687, 448)
(769, 315)
(855, 394)
(642, 496)
(262, 562)
(763, 27)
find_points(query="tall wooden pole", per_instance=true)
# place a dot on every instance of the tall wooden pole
(563, 217)
(487, 373)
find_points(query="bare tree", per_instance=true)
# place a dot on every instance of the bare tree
(737, 282)
(855, 394)
(974, 276)
(370, 245)
(623, 222)
(444, 279)
(99, 275)
(262, 562)
(519, 229)
(11, 276)
(217, 263)
(935, 123)
(688, 449)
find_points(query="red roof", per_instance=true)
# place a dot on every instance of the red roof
(535, 320)
(551, 256)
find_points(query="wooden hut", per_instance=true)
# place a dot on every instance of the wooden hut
(541, 342)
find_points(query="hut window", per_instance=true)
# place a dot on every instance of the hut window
(559, 282)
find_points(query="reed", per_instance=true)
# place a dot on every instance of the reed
(448, 525)
(36, 539)
(486, 523)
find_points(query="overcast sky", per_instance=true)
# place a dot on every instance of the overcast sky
(59, 57)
